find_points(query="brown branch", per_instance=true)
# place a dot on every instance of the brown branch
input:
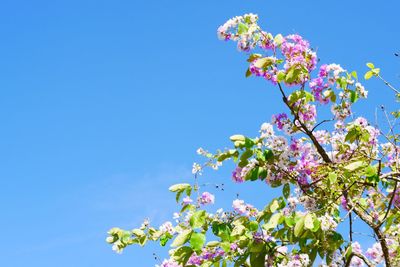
(384, 246)
(350, 227)
(390, 175)
(365, 260)
(389, 205)
(317, 145)
(389, 85)
(318, 124)
(376, 230)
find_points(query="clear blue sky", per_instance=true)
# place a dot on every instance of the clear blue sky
(104, 103)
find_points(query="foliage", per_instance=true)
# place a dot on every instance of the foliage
(327, 177)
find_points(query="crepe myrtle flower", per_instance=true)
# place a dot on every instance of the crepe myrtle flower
(169, 263)
(356, 261)
(375, 253)
(244, 209)
(237, 175)
(207, 198)
(195, 260)
(186, 201)
(196, 169)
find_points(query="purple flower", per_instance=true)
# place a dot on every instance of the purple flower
(344, 203)
(195, 260)
(234, 247)
(207, 198)
(237, 175)
(323, 72)
(280, 120)
(186, 201)
(169, 263)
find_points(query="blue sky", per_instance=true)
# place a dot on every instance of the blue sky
(104, 103)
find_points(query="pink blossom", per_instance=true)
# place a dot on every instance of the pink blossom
(207, 198)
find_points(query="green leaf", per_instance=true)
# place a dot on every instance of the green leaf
(257, 259)
(292, 75)
(264, 62)
(317, 225)
(269, 155)
(238, 230)
(368, 75)
(197, 241)
(178, 196)
(309, 221)
(370, 171)
(301, 94)
(278, 40)
(253, 226)
(198, 219)
(164, 239)
(332, 177)
(376, 71)
(353, 96)
(273, 221)
(352, 134)
(354, 74)
(237, 137)
(246, 155)
(281, 76)
(274, 206)
(290, 221)
(241, 259)
(213, 244)
(182, 255)
(142, 240)
(286, 190)
(313, 255)
(222, 230)
(354, 165)
(262, 173)
(179, 187)
(182, 238)
(253, 57)
(138, 232)
(248, 73)
(298, 228)
(242, 28)
(252, 175)
(363, 202)
(370, 65)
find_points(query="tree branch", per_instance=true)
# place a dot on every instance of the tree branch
(309, 133)
(365, 260)
(389, 205)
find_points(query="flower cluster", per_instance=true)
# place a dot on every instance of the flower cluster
(169, 263)
(296, 260)
(244, 209)
(241, 29)
(325, 176)
(207, 198)
(356, 261)
(205, 255)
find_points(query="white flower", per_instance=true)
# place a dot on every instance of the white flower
(167, 228)
(196, 169)
(267, 130)
(327, 222)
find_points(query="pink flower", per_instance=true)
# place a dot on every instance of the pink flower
(169, 263)
(186, 201)
(207, 198)
(237, 175)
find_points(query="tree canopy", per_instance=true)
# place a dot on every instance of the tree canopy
(342, 170)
